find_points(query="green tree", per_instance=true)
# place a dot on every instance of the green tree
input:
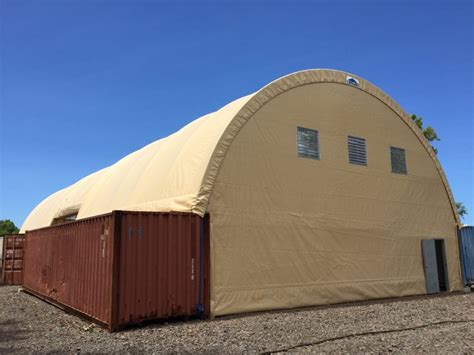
(431, 135)
(7, 227)
(462, 211)
(429, 132)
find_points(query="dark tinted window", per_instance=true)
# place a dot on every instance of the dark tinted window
(397, 157)
(308, 143)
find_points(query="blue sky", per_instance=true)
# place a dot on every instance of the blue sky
(83, 83)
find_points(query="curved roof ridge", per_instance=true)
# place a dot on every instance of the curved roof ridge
(288, 82)
(177, 172)
(143, 179)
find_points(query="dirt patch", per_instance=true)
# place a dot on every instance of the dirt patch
(424, 324)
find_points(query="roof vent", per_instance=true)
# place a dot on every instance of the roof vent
(352, 81)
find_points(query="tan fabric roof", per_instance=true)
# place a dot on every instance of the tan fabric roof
(176, 173)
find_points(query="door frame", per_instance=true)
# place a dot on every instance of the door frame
(434, 260)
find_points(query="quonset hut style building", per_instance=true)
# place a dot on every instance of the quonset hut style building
(319, 189)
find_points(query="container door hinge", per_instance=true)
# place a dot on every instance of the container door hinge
(200, 309)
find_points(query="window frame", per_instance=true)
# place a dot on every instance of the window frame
(317, 149)
(67, 218)
(392, 151)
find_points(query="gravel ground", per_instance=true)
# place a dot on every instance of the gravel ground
(438, 324)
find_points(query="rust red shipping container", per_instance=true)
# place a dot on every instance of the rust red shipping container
(12, 268)
(124, 267)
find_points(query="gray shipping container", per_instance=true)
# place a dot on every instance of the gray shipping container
(466, 245)
(1, 259)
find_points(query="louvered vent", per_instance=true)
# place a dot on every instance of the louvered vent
(357, 150)
(397, 157)
(308, 143)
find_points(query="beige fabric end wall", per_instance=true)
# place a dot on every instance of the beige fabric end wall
(293, 232)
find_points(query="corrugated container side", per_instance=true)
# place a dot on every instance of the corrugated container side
(123, 268)
(206, 267)
(12, 263)
(72, 264)
(1, 260)
(466, 241)
(160, 266)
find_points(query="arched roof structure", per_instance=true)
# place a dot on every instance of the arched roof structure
(177, 173)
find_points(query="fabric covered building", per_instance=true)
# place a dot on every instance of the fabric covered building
(319, 187)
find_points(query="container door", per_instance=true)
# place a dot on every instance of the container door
(1, 260)
(463, 255)
(466, 239)
(430, 265)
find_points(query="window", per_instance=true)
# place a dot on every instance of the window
(397, 158)
(70, 218)
(308, 143)
(357, 150)
(64, 219)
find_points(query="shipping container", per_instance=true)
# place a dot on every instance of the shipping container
(1, 260)
(123, 268)
(466, 245)
(11, 270)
